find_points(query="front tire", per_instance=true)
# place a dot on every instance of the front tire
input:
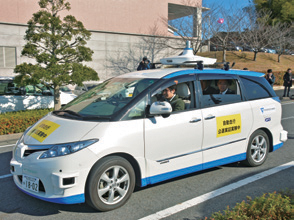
(110, 183)
(258, 148)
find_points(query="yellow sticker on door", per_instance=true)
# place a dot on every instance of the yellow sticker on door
(227, 125)
(43, 130)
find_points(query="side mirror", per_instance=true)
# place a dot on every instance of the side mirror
(160, 108)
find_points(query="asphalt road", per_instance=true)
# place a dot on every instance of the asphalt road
(150, 201)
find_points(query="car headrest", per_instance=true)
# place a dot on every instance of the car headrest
(183, 90)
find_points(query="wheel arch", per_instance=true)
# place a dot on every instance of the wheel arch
(130, 159)
(269, 135)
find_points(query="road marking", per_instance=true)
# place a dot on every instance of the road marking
(287, 118)
(197, 200)
(5, 176)
(288, 103)
(10, 145)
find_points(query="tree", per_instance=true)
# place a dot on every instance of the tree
(257, 34)
(58, 48)
(125, 60)
(281, 10)
(225, 32)
(282, 38)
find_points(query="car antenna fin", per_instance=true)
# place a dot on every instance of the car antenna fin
(226, 66)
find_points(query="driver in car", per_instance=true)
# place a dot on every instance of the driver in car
(170, 95)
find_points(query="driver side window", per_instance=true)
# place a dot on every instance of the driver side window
(138, 111)
(179, 95)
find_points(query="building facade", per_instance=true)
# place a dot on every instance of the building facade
(117, 27)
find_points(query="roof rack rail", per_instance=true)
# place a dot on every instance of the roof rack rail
(199, 64)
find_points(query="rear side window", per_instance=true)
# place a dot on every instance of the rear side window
(254, 89)
(219, 91)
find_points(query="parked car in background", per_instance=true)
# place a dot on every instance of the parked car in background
(289, 52)
(215, 48)
(269, 50)
(15, 98)
(247, 48)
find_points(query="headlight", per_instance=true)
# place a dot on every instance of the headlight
(67, 148)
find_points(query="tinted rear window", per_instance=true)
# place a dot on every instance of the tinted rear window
(257, 88)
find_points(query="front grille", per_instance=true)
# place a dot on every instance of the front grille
(29, 152)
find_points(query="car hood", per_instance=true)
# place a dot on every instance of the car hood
(54, 130)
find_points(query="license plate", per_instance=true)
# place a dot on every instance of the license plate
(31, 183)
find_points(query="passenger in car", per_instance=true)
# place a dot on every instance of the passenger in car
(170, 95)
(223, 87)
(206, 88)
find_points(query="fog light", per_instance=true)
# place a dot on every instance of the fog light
(68, 181)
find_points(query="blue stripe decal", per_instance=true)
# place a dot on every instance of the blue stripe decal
(226, 160)
(62, 200)
(176, 173)
(179, 73)
(170, 175)
(276, 98)
(277, 146)
(214, 71)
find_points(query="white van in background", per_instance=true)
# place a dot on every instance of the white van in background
(14, 98)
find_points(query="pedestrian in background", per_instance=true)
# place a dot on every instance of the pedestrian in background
(270, 77)
(287, 82)
(144, 64)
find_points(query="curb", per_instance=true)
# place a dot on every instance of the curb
(8, 137)
(278, 87)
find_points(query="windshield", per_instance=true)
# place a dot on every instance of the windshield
(108, 97)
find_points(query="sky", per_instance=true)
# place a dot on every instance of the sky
(238, 3)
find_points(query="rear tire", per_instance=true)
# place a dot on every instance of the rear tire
(258, 148)
(110, 184)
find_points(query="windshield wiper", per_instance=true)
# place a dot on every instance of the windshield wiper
(69, 112)
(72, 113)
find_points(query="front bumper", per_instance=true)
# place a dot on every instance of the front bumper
(61, 179)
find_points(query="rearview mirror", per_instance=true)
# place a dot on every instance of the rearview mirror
(160, 108)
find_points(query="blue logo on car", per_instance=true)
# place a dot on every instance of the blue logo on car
(267, 119)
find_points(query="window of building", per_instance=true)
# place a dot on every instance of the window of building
(7, 57)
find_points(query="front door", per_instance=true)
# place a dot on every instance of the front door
(173, 144)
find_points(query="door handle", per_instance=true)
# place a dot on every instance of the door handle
(209, 117)
(195, 120)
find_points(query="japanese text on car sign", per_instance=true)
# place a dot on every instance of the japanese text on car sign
(43, 130)
(227, 125)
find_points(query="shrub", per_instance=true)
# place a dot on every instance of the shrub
(279, 78)
(16, 122)
(270, 206)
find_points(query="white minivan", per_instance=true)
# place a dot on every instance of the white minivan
(101, 144)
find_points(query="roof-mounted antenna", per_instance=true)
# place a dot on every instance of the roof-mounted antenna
(199, 65)
(227, 66)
